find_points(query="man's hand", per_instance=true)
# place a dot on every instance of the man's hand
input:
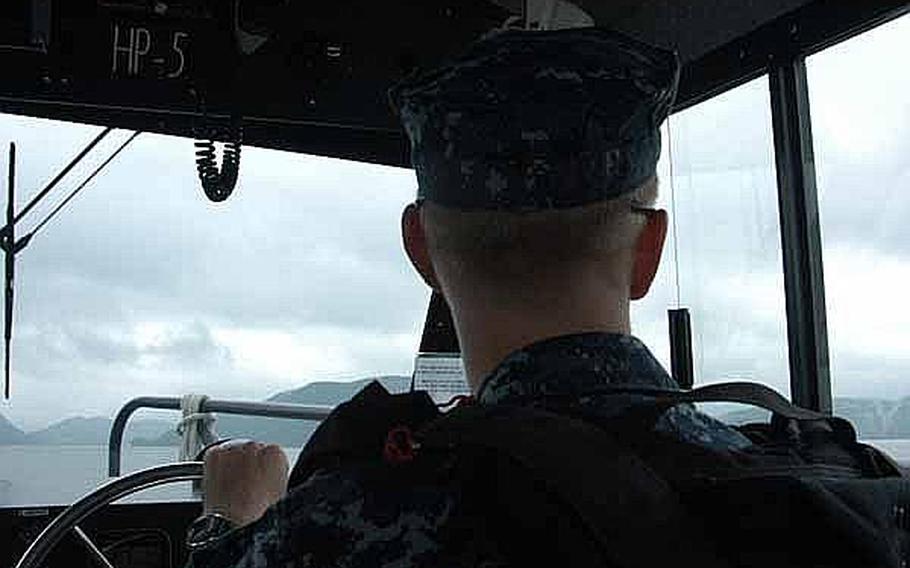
(243, 479)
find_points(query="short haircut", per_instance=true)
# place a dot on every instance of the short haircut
(508, 246)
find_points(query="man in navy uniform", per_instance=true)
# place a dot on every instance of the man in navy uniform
(535, 155)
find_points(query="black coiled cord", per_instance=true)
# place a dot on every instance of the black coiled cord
(219, 183)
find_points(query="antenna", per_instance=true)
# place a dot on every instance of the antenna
(675, 230)
(9, 246)
(680, 320)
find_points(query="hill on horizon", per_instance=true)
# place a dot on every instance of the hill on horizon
(287, 432)
(9, 433)
(94, 430)
(283, 431)
(873, 418)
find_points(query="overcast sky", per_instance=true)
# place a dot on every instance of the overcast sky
(142, 287)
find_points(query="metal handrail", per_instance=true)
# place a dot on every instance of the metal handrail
(269, 409)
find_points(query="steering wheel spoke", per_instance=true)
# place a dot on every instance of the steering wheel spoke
(92, 548)
(111, 491)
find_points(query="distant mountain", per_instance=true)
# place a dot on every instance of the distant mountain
(94, 431)
(872, 418)
(72, 432)
(283, 431)
(334, 393)
(9, 434)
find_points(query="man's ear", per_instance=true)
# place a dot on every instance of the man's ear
(415, 245)
(648, 250)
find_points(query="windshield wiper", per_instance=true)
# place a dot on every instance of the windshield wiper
(10, 259)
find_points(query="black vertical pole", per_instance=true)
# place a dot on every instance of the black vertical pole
(681, 347)
(807, 332)
(9, 250)
(438, 329)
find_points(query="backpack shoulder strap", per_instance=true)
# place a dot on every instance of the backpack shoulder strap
(753, 394)
(873, 462)
(631, 511)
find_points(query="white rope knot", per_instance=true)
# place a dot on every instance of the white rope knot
(187, 420)
(196, 428)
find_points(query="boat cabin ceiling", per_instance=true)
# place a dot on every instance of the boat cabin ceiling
(691, 28)
(311, 77)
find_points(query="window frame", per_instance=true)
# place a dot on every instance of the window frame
(780, 49)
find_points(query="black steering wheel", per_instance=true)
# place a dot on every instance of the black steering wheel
(69, 518)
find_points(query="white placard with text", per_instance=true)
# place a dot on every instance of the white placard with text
(441, 375)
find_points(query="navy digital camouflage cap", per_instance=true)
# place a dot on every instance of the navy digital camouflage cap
(529, 120)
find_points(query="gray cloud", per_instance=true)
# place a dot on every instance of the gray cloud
(701, 135)
(304, 244)
(275, 254)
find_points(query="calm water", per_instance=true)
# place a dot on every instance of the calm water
(57, 475)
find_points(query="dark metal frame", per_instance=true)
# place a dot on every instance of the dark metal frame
(804, 284)
(818, 24)
(364, 144)
(779, 49)
(810, 29)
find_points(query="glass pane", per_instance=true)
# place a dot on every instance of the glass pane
(725, 249)
(860, 120)
(143, 287)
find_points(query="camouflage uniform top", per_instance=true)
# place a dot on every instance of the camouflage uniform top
(334, 519)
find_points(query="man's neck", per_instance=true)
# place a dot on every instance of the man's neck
(489, 331)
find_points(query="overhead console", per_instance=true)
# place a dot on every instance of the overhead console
(281, 65)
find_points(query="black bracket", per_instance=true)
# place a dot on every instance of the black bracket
(681, 347)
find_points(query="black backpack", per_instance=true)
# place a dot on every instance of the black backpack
(561, 488)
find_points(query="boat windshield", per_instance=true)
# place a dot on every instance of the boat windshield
(296, 288)
(141, 286)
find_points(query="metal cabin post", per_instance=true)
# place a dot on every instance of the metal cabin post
(810, 376)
